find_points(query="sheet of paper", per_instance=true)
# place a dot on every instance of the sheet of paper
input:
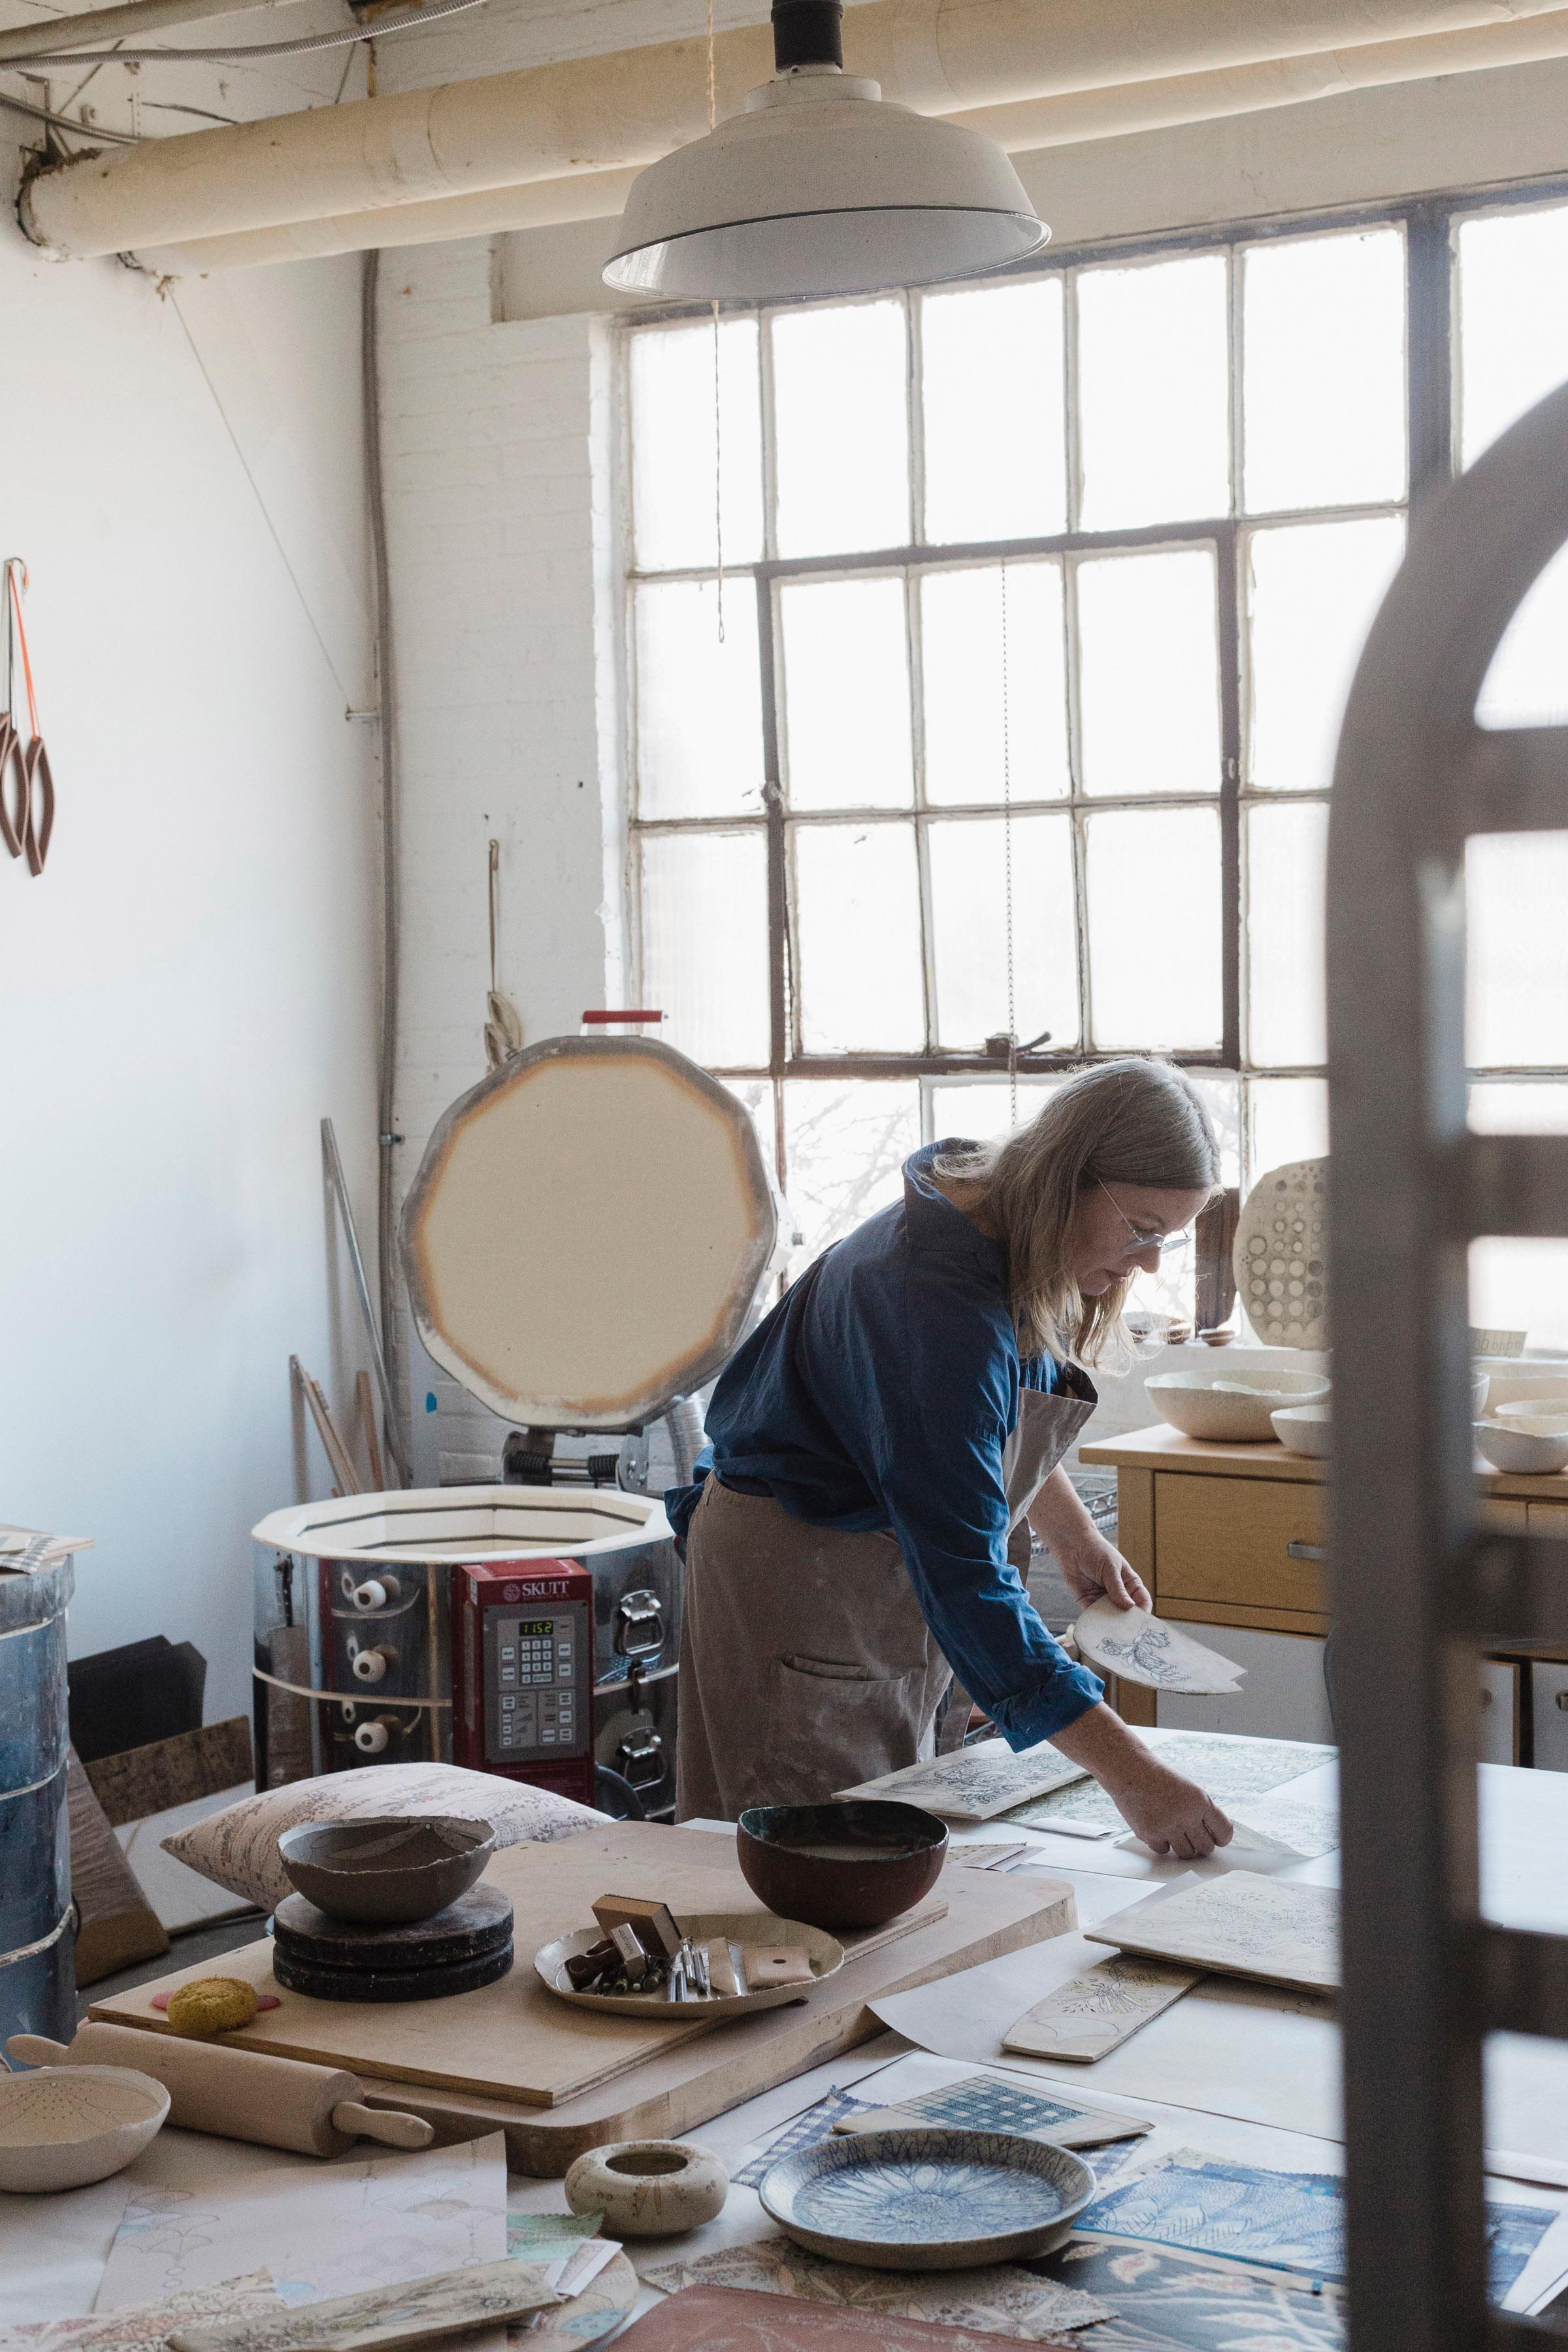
(1142, 1648)
(1001, 2297)
(330, 2229)
(975, 1784)
(145, 2328)
(482, 2295)
(1231, 1769)
(1166, 2297)
(1092, 2014)
(1240, 1925)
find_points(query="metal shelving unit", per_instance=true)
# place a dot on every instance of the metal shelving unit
(1420, 1590)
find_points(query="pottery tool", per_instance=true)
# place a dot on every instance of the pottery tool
(418, 2311)
(456, 1950)
(238, 2094)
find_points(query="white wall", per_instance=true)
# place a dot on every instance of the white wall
(190, 986)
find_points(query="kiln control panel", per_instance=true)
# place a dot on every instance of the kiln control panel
(538, 1699)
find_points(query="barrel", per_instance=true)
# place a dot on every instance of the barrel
(37, 1973)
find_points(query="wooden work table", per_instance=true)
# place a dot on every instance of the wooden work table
(1235, 1535)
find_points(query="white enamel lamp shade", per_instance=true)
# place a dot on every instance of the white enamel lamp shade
(587, 1231)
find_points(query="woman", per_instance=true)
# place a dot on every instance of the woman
(882, 1435)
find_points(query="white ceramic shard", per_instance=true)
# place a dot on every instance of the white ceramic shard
(1140, 1648)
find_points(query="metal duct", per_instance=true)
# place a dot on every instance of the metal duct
(1031, 123)
(603, 113)
(118, 23)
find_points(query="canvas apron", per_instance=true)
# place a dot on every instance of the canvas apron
(806, 1665)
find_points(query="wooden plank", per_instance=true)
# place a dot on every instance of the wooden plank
(1228, 1541)
(513, 2038)
(168, 1772)
(1241, 1612)
(684, 2087)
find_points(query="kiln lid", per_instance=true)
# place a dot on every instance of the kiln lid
(587, 1231)
(422, 1525)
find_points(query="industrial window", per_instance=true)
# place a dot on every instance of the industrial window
(1012, 708)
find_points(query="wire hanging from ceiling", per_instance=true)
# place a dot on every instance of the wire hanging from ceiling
(306, 47)
(718, 403)
(1007, 862)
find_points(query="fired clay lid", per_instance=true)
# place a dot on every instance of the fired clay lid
(587, 1231)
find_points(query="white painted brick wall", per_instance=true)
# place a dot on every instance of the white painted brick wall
(498, 442)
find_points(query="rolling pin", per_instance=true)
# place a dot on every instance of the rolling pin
(238, 2094)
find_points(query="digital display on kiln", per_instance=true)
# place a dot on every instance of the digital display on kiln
(537, 1703)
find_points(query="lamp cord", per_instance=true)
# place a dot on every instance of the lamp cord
(1007, 863)
(717, 405)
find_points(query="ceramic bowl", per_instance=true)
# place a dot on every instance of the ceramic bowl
(1230, 1407)
(1534, 1451)
(1305, 1428)
(825, 1953)
(930, 2199)
(1542, 1410)
(1480, 1388)
(61, 2127)
(389, 1870)
(857, 1864)
(649, 2187)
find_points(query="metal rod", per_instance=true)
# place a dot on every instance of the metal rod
(335, 1178)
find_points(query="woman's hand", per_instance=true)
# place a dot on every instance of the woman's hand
(1170, 1814)
(1095, 1570)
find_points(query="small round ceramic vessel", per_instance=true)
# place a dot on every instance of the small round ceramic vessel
(62, 2127)
(649, 2187)
(932, 2200)
(387, 1871)
(1305, 1428)
(1230, 1407)
(1534, 1448)
(857, 1864)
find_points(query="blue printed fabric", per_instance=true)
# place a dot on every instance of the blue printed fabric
(878, 1396)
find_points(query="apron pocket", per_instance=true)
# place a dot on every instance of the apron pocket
(834, 1726)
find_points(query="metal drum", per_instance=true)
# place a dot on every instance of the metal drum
(354, 1661)
(38, 1976)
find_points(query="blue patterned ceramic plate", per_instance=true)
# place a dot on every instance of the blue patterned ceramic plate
(928, 2201)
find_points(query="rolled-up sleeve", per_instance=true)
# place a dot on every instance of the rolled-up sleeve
(948, 1399)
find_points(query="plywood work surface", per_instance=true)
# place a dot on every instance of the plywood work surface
(513, 2039)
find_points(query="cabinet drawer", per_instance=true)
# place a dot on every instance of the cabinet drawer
(1227, 1541)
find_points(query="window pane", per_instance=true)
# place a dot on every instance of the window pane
(673, 453)
(1154, 385)
(846, 1142)
(1148, 673)
(991, 372)
(1323, 381)
(1288, 1118)
(1221, 1091)
(1155, 929)
(1520, 1286)
(846, 694)
(857, 924)
(1285, 850)
(699, 702)
(1527, 685)
(1513, 325)
(1516, 967)
(1518, 1106)
(972, 704)
(981, 1108)
(1314, 590)
(969, 902)
(841, 429)
(705, 943)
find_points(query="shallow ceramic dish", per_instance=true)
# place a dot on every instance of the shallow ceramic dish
(1230, 1407)
(929, 2200)
(1305, 1428)
(1533, 1453)
(825, 1953)
(856, 1863)
(1538, 1412)
(390, 1870)
(61, 2127)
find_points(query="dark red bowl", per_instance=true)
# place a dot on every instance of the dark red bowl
(871, 1860)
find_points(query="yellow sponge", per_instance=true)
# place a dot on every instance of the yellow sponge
(212, 2005)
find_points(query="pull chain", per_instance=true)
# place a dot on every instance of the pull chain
(1008, 864)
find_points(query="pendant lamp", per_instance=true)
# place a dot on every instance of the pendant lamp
(821, 186)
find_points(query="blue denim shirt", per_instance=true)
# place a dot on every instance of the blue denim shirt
(877, 1397)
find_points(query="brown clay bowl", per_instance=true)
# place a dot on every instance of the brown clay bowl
(857, 1864)
(388, 1871)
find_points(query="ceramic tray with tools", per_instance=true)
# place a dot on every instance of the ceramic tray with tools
(753, 1927)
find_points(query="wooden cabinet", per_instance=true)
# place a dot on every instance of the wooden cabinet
(1241, 1551)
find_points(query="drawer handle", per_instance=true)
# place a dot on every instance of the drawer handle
(1306, 1551)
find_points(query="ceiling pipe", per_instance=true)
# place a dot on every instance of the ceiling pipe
(600, 113)
(119, 24)
(1020, 128)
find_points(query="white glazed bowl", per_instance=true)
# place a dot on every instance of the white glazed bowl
(1230, 1406)
(1553, 1409)
(1536, 1449)
(1305, 1428)
(61, 2127)
(1480, 1388)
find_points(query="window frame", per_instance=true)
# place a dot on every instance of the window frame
(1429, 224)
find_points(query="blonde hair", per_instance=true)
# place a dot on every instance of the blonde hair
(1129, 1122)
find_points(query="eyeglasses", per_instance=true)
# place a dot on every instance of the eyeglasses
(1141, 1241)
